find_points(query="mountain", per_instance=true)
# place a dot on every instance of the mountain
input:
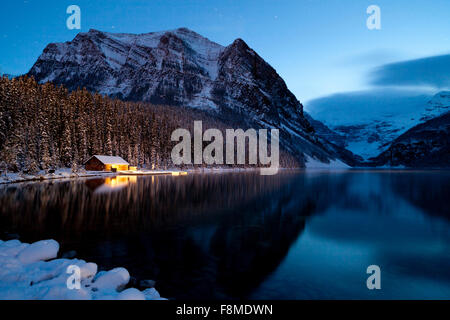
(424, 145)
(367, 122)
(180, 67)
(174, 67)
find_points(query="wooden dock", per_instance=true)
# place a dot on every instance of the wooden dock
(152, 173)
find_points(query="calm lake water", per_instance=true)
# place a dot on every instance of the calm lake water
(294, 235)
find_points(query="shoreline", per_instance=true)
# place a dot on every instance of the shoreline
(33, 272)
(67, 174)
(58, 175)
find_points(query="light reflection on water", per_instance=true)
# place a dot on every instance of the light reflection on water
(295, 235)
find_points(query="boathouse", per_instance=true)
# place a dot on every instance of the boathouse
(107, 163)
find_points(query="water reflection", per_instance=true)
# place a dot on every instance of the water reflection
(241, 235)
(110, 184)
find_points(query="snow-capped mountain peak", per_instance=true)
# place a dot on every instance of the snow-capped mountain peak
(181, 67)
(131, 66)
(366, 122)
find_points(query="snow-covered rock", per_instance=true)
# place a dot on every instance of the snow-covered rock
(131, 294)
(41, 250)
(115, 279)
(12, 247)
(27, 273)
(151, 294)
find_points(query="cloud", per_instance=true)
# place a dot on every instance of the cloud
(430, 72)
(372, 58)
(349, 108)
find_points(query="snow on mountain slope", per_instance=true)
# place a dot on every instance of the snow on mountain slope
(143, 67)
(368, 121)
(312, 163)
(425, 145)
(180, 67)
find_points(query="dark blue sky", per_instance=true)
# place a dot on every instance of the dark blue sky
(318, 47)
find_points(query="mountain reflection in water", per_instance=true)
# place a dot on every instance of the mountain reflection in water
(294, 235)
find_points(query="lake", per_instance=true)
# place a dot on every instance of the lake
(240, 235)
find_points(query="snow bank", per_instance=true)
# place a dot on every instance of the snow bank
(41, 250)
(30, 271)
(63, 173)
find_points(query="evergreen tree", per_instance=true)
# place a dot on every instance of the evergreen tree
(43, 126)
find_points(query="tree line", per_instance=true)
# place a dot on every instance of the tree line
(43, 126)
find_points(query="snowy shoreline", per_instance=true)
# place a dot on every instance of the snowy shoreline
(65, 173)
(32, 272)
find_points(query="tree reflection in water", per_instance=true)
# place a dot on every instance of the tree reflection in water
(199, 236)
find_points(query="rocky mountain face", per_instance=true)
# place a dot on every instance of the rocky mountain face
(425, 145)
(180, 67)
